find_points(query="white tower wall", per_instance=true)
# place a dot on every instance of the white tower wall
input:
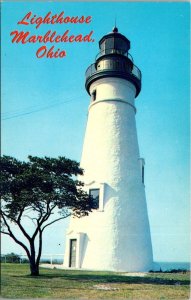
(116, 236)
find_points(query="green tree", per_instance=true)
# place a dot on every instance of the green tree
(43, 189)
(12, 258)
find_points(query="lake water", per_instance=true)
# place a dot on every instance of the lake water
(165, 266)
(173, 265)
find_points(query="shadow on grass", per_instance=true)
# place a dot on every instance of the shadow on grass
(109, 278)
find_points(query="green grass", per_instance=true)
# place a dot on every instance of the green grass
(54, 284)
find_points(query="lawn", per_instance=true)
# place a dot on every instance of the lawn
(55, 284)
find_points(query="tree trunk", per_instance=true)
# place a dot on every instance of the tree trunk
(34, 268)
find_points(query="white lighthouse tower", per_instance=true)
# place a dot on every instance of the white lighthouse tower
(116, 235)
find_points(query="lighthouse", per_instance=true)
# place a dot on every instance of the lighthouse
(116, 234)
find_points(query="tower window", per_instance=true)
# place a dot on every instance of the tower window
(117, 64)
(142, 165)
(94, 194)
(143, 174)
(94, 95)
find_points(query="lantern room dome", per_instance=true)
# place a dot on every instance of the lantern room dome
(114, 60)
(114, 41)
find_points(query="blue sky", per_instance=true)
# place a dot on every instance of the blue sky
(44, 103)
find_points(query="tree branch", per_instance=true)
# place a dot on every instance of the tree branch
(39, 247)
(5, 232)
(32, 219)
(6, 215)
(40, 221)
(61, 218)
(20, 215)
(14, 238)
(18, 222)
(23, 231)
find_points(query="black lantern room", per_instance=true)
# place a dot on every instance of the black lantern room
(113, 60)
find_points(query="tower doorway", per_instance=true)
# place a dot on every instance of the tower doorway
(72, 262)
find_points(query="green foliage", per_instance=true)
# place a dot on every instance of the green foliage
(39, 182)
(37, 188)
(170, 271)
(12, 258)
